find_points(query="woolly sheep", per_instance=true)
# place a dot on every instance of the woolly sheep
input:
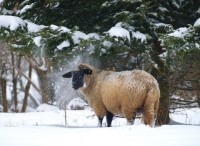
(112, 93)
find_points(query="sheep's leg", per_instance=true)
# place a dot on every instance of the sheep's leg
(131, 120)
(150, 112)
(148, 115)
(109, 118)
(156, 106)
(100, 122)
(130, 116)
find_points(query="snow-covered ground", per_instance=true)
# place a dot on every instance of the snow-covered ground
(48, 129)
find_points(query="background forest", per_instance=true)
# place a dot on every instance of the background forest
(41, 39)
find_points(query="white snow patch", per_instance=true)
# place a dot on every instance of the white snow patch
(197, 22)
(64, 29)
(25, 8)
(78, 36)
(107, 44)
(119, 32)
(24, 129)
(32, 27)
(161, 24)
(181, 32)
(163, 9)
(1, 108)
(93, 35)
(54, 27)
(47, 108)
(60, 28)
(37, 40)
(197, 45)
(139, 35)
(63, 44)
(77, 103)
(11, 22)
(186, 116)
(6, 12)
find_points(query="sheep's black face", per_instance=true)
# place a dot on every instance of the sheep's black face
(77, 77)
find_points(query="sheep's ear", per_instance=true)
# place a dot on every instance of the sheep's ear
(67, 75)
(87, 71)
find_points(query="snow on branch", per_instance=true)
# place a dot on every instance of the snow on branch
(11, 22)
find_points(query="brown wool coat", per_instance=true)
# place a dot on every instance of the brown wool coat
(122, 93)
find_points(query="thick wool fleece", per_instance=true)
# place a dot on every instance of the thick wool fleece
(122, 93)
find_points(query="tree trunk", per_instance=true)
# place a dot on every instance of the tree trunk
(44, 85)
(163, 111)
(14, 83)
(4, 95)
(27, 88)
(42, 67)
(163, 81)
(161, 74)
(3, 89)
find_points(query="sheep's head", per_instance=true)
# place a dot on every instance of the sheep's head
(78, 76)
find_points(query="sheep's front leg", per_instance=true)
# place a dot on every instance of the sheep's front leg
(100, 121)
(109, 118)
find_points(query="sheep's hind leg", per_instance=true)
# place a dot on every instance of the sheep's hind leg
(109, 118)
(148, 115)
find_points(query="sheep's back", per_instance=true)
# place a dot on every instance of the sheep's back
(127, 88)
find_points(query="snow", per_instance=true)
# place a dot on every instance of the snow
(191, 116)
(180, 33)
(119, 32)
(1, 108)
(32, 27)
(60, 28)
(77, 103)
(37, 40)
(51, 136)
(47, 128)
(63, 45)
(107, 44)
(139, 35)
(163, 9)
(78, 36)
(11, 22)
(45, 107)
(25, 8)
(93, 35)
(197, 22)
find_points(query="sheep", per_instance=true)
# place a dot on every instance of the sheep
(112, 93)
